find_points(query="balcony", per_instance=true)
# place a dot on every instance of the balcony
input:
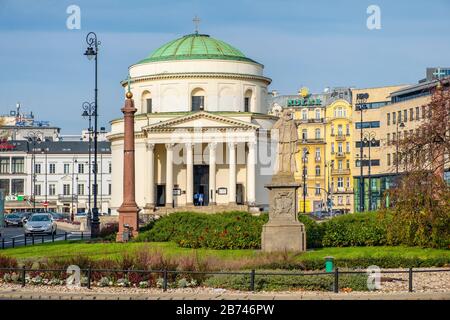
(67, 198)
(312, 141)
(340, 171)
(317, 159)
(340, 137)
(342, 190)
(340, 155)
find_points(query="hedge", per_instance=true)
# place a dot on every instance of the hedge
(228, 230)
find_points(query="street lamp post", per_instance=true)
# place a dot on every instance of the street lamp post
(34, 137)
(92, 53)
(361, 99)
(45, 152)
(89, 112)
(369, 138)
(73, 188)
(305, 154)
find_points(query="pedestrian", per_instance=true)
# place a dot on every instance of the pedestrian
(196, 199)
(200, 199)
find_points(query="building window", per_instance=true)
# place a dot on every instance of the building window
(66, 168)
(332, 130)
(4, 165)
(80, 168)
(332, 147)
(317, 133)
(340, 133)
(148, 103)
(405, 115)
(340, 182)
(18, 165)
(247, 101)
(317, 170)
(340, 163)
(347, 147)
(80, 190)
(394, 118)
(318, 154)
(424, 112)
(368, 124)
(304, 134)
(37, 190)
(66, 189)
(347, 129)
(317, 114)
(340, 200)
(348, 183)
(411, 114)
(198, 100)
(317, 189)
(305, 114)
(52, 168)
(37, 168)
(109, 167)
(340, 148)
(388, 138)
(109, 189)
(4, 184)
(51, 189)
(348, 164)
(17, 186)
(348, 200)
(417, 113)
(388, 119)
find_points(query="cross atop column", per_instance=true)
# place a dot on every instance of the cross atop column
(196, 21)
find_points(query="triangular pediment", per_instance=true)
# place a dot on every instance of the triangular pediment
(200, 119)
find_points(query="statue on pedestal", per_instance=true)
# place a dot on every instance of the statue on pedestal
(284, 232)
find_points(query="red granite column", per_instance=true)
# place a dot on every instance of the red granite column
(128, 211)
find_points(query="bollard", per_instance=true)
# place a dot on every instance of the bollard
(23, 276)
(32, 239)
(252, 280)
(53, 237)
(25, 240)
(3, 243)
(410, 280)
(89, 278)
(42, 239)
(13, 242)
(81, 235)
(165, 280)
(65, 235)
(336, 280)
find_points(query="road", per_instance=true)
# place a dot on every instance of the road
(14, 237)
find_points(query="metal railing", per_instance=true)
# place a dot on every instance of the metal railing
(23, 240)
(335, 274)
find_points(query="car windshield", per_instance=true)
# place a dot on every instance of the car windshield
(40, 218)
(12, 216)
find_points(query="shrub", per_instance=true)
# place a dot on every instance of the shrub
(314, 231)
(229, 230)
(359, 229)
(109, 231)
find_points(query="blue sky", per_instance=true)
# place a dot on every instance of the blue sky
(313, 43)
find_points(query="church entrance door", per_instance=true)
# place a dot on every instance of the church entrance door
(201, 184)
(160, 195)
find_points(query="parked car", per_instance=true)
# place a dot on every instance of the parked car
(13, 219)
(40, 223)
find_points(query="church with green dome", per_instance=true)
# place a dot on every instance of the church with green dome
(201, 118)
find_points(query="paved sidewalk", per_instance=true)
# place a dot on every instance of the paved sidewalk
(14, 294)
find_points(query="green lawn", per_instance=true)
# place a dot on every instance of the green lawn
(115, 250)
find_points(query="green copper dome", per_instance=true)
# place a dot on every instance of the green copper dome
(196, 46)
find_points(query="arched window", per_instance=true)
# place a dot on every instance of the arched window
(198, 99)
(305, 114)
(146, 102)
(317, 114)
(248, 101)
(340, 133)
(317, 135)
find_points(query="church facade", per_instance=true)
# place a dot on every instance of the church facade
(201, 129)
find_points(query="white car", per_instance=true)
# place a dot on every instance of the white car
(40, 223)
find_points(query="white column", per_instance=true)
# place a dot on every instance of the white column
(169, 175)
(212, 173)
(189, 174)
(232, 172)
(251, 173)
(151, 174)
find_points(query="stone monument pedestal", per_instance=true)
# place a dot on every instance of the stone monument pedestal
(283, 232)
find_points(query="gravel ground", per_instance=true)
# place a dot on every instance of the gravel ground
(424, 282)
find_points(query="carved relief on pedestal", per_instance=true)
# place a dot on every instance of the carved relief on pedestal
(283, 204)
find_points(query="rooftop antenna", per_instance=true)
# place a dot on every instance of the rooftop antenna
(196, 21)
